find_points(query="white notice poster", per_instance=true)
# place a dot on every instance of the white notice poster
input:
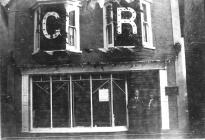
(103, 95)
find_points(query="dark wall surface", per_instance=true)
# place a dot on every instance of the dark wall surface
(194, 33)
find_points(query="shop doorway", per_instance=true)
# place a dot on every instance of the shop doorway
(148, 85)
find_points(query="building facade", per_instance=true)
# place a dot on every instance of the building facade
(193, 29)
(75, 66)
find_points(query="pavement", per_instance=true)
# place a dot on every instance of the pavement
(115, 136)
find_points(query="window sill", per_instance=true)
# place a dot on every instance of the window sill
(75, 51)
(149, 46)
(150, 1)
(129, 47)
(51, 52)
(79, 129)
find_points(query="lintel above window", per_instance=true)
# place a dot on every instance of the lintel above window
(56, 25)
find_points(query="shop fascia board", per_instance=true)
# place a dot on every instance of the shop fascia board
(90, 69)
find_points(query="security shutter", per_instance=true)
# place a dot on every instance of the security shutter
(25, 103)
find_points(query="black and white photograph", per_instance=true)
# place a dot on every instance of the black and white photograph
(102, 69)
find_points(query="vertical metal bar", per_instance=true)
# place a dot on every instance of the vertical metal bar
(51, 101)
(112, 110)
(67, 24)
(91, 100)
(71, 102)
(1, 66)
(112, 24)
(31, 102)
(39, 35)
(35, 29)
(126, 92)
(69, 121)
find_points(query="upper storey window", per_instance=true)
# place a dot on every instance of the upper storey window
(147, 40)
(56, 26)
(108, 25)
(127, 24)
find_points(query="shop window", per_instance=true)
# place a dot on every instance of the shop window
(41, 104)
(56, 26)
(147, 40)
(50, 102)
(72, 103)
(81, 103)
(119, 102)
(102, 107)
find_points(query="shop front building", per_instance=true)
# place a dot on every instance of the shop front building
(77, 65)
(89, 102)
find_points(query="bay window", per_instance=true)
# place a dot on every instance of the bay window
(56, 26)
(129, 13)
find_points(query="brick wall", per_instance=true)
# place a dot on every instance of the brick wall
(194, 33)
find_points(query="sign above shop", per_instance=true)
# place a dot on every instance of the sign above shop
(103, 95)
(120, 21)
(130, 20)
(172, 90)
(44, 25)
(53, 27)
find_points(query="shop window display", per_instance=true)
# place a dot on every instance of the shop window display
(79, 100)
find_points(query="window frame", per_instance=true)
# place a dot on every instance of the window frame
(76, 46)
(149, 43)
(105, 25)
(27, 96)
(75, 6)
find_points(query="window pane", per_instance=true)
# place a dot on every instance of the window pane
(145, 34)
(85, 76)
(109, 33)
(72, 18)
(65, 77)
(119, 102)
(76, 77)
(61, 104)
(81, 103)
(105, 76)
(56, 77)
(101, 109)
(71, 36)
(71, 29)
(45, 78)
(109, 14)
(41, 104)
(96, 76)
(144, 12)
(37, 78)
